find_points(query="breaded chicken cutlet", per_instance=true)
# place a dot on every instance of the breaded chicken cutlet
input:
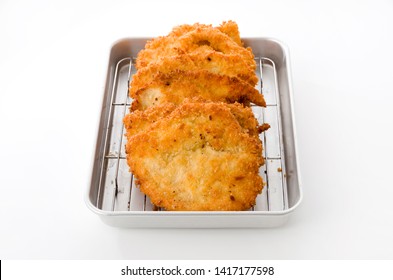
(220, 70)
(178, 85)
(192, 140)
(230, 28)
(195, 157)
(140, 121)
(196, 39)
(230, 65)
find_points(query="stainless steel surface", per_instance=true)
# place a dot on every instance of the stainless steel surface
(113, 193)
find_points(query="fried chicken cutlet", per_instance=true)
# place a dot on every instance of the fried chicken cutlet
(140, 121)
(178, 85)
(197, 157)
(214, 62)
(195, 40)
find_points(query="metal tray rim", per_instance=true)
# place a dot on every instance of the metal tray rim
(189, 213)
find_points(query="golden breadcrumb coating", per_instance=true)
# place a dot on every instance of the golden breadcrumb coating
(230, 28)
(198, 157)
(140, 121)
(178, 85)
(200, 39)
(231, 65)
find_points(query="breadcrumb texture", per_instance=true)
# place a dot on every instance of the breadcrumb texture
(178, 85)
(214, 62)
(196, 156)
(195, 39)
(140, 121)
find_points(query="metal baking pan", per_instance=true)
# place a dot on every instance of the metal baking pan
(112, 192)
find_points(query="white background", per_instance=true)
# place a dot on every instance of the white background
(53, 59)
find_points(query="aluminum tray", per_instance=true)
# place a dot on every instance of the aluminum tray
(112, 193)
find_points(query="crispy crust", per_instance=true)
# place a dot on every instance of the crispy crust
(195, 39)
(231, 65)
(140, 121)
(198, 157)
(230, 28)
(245, 117)
(178, 85)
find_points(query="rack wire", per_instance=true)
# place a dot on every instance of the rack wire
(117, 190)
